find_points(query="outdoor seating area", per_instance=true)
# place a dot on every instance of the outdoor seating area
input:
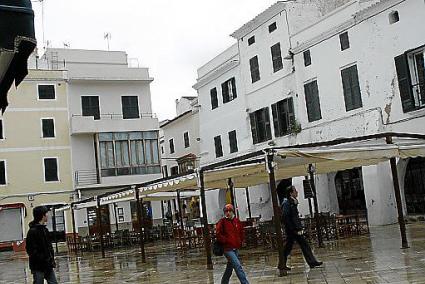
(257, 234)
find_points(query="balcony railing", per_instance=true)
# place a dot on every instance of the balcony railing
(118, 116)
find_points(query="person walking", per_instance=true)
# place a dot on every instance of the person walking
(39, 248)
(230, 234)
(294, 230)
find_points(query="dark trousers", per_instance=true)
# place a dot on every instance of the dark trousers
(305, 247)
(39, 277)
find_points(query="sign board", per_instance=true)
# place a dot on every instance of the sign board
(308, 192)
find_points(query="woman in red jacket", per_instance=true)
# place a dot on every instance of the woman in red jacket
(230, 234)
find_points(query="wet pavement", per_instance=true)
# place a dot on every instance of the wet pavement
(375, 258)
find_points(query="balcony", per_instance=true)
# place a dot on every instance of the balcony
(112, 123)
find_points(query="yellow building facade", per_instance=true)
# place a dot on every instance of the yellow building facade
(35, 155)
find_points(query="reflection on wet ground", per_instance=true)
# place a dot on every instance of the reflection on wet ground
(368, 259)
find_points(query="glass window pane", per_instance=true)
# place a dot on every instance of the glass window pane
(133, 151)
(136, 135)
(105, 136)
(118, 154)
(125, 153)
(155, 153)
(121, 136)
(150, 135)
(148, 152)
(103, 160)
(110, 154)
(140, 153)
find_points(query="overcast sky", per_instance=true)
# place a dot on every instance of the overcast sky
(172, 38)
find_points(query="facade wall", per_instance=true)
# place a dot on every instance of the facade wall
(23, 147)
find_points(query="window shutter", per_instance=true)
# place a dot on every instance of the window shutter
(267, 123)
(225, 92)
(355, 87)
(253, 128)
(312, 101)
(276, 125)
(2, 173)
(234, 88)
(214, 100)
(346, 84)
(291, 113)
(404, 83)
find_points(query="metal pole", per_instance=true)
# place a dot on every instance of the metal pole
(181, 218)
(206, 231)
(402, 224)
(140, 221)
(54, 229)
(74, 232)
(115, 214)
(276, 212)
(316, 206)
(99, 223)
(248, 202)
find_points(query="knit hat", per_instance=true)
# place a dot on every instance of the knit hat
(228, 207)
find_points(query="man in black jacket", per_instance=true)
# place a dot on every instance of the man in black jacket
(294, 229)
(39, 248)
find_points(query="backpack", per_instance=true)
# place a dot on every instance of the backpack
(218, 248)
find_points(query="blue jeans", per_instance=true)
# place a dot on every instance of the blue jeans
(233, 263)
(39, 277)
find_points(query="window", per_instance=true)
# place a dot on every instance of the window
(1, 129)
(186, 139)
(344, 41)
(260, 125)
(272, 27)
(411, 79)
(251, 40)
(48, 127)
(174, 170)
(276, 57)
(90, 106)
(46, 92)
(218, 147)
(283, 116)
(312, 101)
(255, 69)
(350, 82)
(171, 144)
(129, 153)
(130, 107)
(214, 99)
(3, 180)
(51, 169)
(228, 90)
(233, 142)
(307, 58)
(394, 17)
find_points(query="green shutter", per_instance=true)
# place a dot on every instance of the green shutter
(404, 83)
(253, 128)
(276, 125)
(346, 85)
(267, 127)
(234, 88)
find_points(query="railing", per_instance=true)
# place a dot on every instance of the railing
(118, 116)
(86, 177)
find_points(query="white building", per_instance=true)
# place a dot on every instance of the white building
(257, 88)
(180, 148)
(114, 133)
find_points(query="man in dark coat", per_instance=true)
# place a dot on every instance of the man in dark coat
(294, 229)
(39, 248)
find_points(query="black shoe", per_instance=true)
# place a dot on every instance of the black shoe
(286, 268)
(315, 264)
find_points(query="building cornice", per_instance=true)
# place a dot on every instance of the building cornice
(355, 19)
(222, 69)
